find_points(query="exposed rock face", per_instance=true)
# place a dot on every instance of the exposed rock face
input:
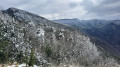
(52, 42)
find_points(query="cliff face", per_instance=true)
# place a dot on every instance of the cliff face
(51, 42)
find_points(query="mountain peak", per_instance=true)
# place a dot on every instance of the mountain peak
(12, 9)
(15, 12)
(20, 14)
(75, 19)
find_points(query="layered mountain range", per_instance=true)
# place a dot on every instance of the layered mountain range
(25, 36)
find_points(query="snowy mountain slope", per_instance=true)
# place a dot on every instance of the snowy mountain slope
(105, 30)
(51, 43)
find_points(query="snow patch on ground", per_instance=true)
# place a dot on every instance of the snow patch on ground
(40, 32)
(31, 23)
(21, 65)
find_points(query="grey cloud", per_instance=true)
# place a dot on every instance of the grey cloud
(48, 7)
(102, 8)
(109, 1)
(11, 3)
(67, 9)
(73, 4)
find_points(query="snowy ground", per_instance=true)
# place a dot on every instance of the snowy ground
(24, 65)
(20, 65)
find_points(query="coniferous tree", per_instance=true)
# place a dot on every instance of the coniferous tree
(32, 58)
(26, 59)
(4, 52)
(20, 57)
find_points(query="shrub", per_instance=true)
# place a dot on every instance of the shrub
(48, 51)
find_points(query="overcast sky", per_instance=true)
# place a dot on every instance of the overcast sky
(60, 9)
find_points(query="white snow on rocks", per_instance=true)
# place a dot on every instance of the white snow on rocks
(40, 32)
